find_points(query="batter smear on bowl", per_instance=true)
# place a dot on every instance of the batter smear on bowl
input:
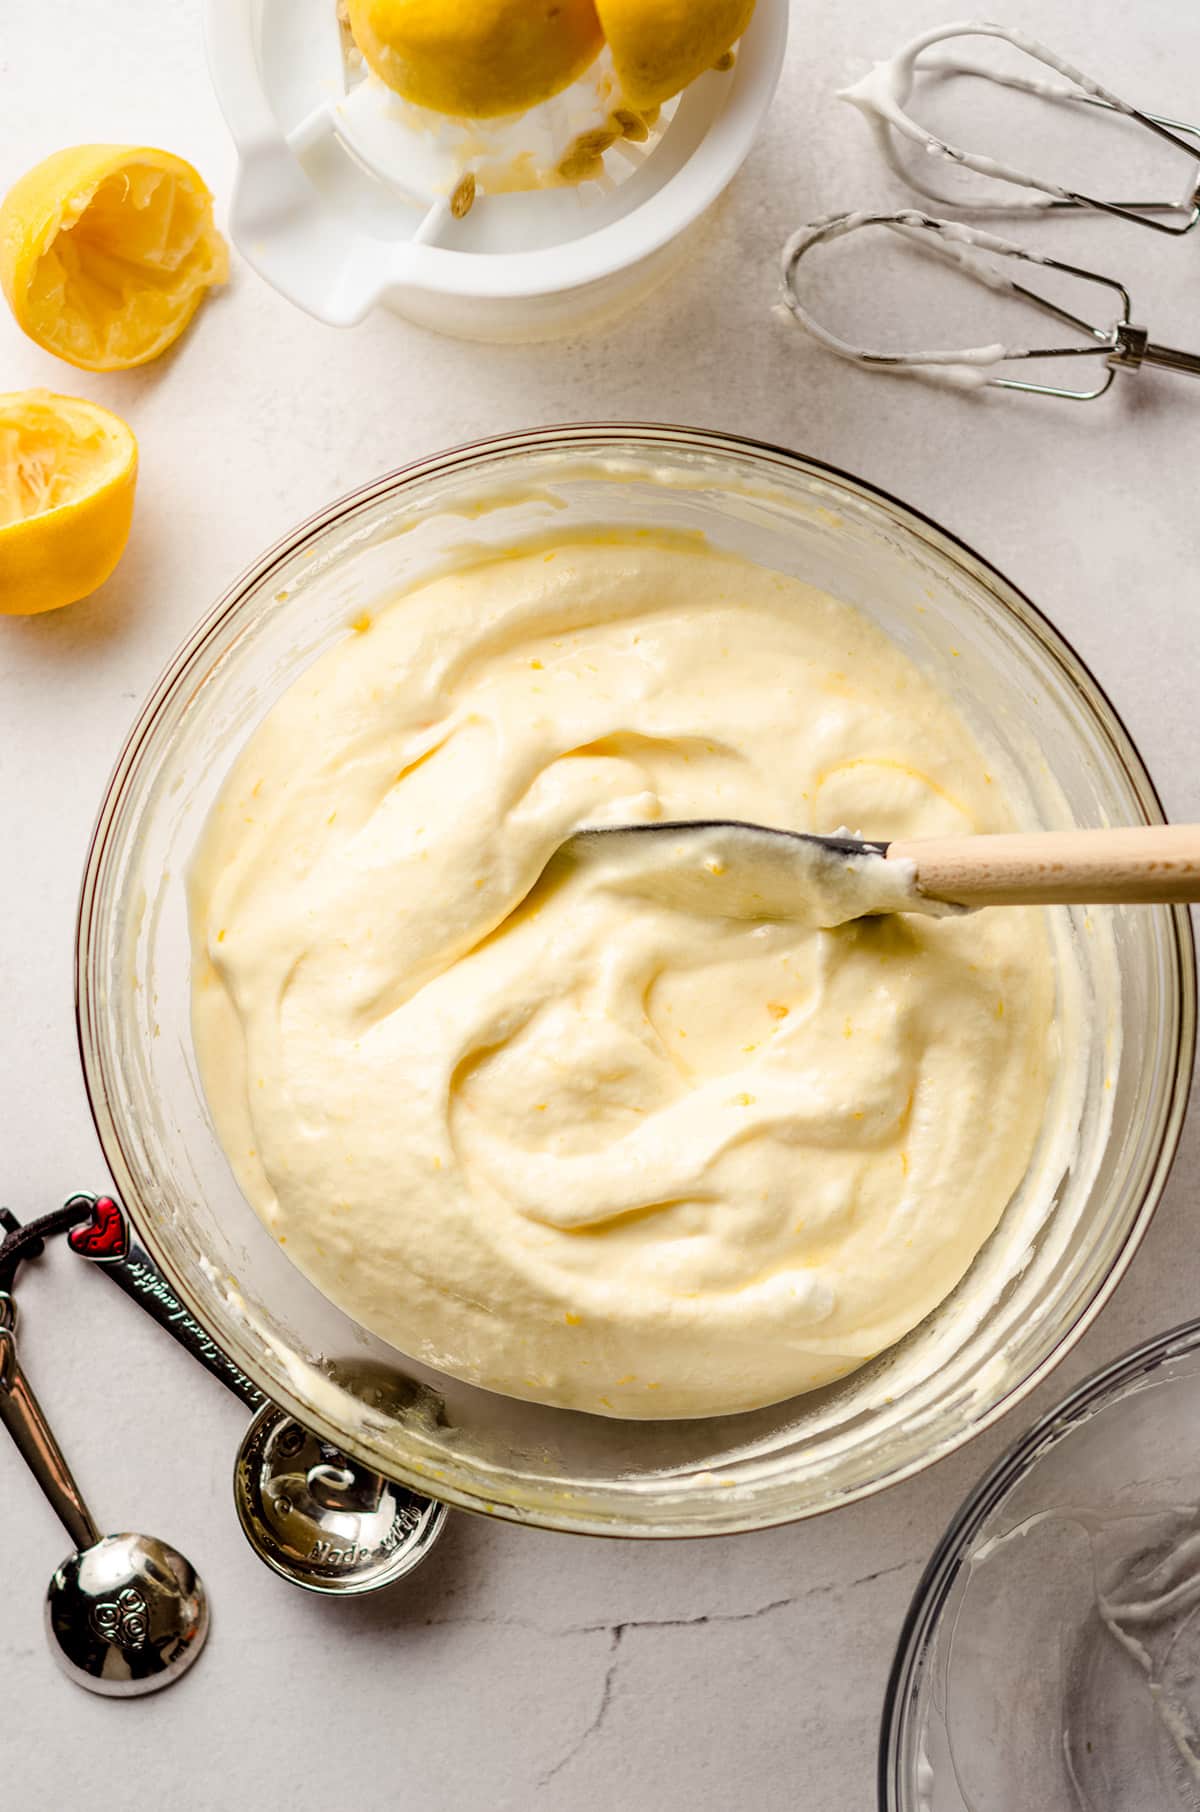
(570, 1142)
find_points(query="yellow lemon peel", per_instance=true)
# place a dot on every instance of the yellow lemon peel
(67, 474)
(660, 46)
(476, 59)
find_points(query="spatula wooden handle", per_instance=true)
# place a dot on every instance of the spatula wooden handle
(1146, 865)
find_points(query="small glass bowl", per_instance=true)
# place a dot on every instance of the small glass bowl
(1051, 1656)
(1046, 723)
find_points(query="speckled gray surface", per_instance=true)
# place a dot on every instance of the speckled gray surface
(519, 1670)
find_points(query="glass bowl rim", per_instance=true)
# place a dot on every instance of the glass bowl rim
(1005, 1473)
(641, 438)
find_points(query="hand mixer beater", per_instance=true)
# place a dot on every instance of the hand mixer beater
(882, 96)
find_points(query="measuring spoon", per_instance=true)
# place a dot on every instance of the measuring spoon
(315, 1516)
(125, 1614)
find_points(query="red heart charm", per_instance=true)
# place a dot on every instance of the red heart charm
(105, 1235)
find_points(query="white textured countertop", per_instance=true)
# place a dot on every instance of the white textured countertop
(519, 1670)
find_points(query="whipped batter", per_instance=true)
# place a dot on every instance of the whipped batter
(574, 1140)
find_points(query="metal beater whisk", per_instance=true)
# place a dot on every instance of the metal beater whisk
(1122, 344)
(882, 97)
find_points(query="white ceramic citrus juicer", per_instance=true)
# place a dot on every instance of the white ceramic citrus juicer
(343, 194)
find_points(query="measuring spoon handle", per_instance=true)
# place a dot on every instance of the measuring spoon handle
(107, 1243)
(22, 1415)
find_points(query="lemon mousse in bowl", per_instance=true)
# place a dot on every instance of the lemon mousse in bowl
(661, 1222)
(563, 1140)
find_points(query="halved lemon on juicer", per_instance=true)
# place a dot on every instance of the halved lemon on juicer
(107, 251)
(476, 59)
(659, 47)
(67, 474)
(479, 59)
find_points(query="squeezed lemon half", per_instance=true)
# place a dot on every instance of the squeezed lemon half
(107, 251)
(67, 474)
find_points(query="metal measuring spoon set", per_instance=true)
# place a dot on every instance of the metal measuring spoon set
(882, 98)
(128, 1614)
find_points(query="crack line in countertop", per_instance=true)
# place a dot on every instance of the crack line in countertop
(617, 1632)
(664, 1623)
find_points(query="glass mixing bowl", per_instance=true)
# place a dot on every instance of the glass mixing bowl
(1046, 723)
(1052, 1653)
